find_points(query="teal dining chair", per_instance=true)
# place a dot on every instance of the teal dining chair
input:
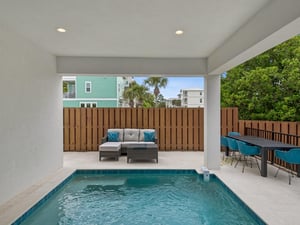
(224, 144)
(247, 151)
(233, 147)
(291, 157)
(234, 133)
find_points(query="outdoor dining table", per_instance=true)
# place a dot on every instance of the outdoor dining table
(265, 145)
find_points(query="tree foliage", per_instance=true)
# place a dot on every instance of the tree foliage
(266, 87)
(156, 83)
(138, 96)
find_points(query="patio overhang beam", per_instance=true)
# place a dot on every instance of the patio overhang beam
(275, 23)
(137, 66)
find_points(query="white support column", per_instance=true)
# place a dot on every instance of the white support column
(212, 122)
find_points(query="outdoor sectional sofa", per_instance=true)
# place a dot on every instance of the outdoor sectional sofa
(117, 141)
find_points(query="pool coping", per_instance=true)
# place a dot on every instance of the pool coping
(24, 201)
(48, 195)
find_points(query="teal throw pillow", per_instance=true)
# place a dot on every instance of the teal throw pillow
(113, 136)
(149, 136)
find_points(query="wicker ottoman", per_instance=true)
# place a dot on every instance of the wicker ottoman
(110, 150)
(142, 152)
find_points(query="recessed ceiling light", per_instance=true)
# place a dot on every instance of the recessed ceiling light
(179, 32)
(61, 30)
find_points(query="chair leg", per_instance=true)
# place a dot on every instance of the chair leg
(232, 157)
(237, 162)
(257, 163)
(244, 164)
(277, 172)
(290, 173)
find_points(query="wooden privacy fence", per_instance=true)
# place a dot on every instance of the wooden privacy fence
(177, 128)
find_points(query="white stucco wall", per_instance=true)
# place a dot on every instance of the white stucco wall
(31, 136)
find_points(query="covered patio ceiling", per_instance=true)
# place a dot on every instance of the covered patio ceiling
(138, 36)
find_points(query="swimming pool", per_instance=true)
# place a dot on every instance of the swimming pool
(140, 197)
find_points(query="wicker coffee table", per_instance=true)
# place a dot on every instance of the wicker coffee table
(142, 152)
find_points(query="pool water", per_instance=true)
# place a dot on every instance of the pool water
(139, 197)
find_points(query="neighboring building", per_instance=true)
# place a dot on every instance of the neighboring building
(171, 102)
(192, 98)
(123, 82)
(93, 91)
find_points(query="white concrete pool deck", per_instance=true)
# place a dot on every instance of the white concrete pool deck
(273, 199)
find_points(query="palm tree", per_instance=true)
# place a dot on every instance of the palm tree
(140, 94)
(129, 94)
(148, 100)
(135, 93)
(157, 83)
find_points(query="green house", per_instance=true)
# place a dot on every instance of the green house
(94, 91)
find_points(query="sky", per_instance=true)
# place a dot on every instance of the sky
(175, 84)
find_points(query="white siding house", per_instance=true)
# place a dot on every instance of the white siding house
(192, 98)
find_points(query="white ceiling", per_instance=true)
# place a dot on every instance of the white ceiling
(128, 28)
(218, 34)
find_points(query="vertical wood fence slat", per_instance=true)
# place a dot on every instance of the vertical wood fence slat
(139, 118)
(168, 129)
(66, 129)
(72, 129)
(162, 128)
(95, 129)
(184, 129)
(196, 130)
(179, 129)
(83, 125)
(157, 124)
(77, 129)
(174, 130)
(89, 129)
(201, 129)
(100, 125)
(190, 122)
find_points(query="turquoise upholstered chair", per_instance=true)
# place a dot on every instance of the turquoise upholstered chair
(248, 151)
(224, 144)
(234, 133)
(290, 157)
(233, 147)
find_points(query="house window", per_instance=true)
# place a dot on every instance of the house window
(200, 100)
(88, 104)
(69, 90)
(88, 87)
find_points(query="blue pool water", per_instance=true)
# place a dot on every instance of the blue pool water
(140, 197)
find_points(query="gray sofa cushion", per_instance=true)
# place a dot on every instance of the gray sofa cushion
(142, 133)
(131, 134)
(121, 131)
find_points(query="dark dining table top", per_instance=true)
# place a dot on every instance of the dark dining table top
(263, 143)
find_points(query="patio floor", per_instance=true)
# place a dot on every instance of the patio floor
(271, 198)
